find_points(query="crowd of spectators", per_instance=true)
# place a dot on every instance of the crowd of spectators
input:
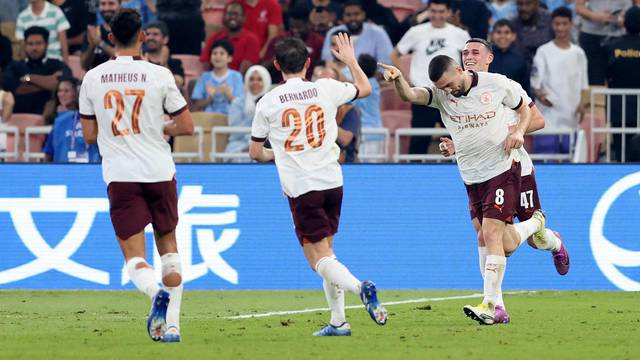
(556, 49)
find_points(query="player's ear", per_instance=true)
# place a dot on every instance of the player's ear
(276, 65)
(307, 63)
(111, 38)
(142, 37)
(166, 40)
(490, 58)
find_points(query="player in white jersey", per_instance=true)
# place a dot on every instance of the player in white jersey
(122, 106)
(477, 56)
(299, 118)
(474, 109)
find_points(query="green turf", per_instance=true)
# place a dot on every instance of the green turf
(111, 324)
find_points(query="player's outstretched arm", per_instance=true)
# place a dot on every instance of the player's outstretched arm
(347, 55)
(182, 125)
(415, 95)
(537, 120)
(259, 153)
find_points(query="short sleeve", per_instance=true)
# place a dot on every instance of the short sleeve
(174, 103)
(200, 90)
(275, 13)
(19, 28)
(406, 44)
(260, 125)
(339, 92)
(513, 94)
(87, 111)
(435, 97)
(62, 24)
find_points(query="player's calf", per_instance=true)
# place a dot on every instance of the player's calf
(172, 279)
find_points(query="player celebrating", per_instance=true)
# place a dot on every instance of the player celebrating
(474, 106)
(476, 56)
(122, 104)
(299, 118)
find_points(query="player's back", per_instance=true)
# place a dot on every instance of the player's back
(300, 120)
(128, 98)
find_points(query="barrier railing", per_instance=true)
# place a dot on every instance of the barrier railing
(34, 130)
(198, 131)
(555, 157)
(228, 130)
(6, 129)
(384, 155)
(607, 129)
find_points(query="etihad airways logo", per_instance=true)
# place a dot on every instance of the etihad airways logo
(210, 211)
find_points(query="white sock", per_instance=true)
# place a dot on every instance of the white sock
(527, 228)
(171, 264)
(143, 278)
(493, 272)
(482, 256)
(335, 273)
(551, 241)
(501, 271)
(335, 299)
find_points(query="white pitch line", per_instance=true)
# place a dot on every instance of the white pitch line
(410, 301)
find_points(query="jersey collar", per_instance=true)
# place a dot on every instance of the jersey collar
(474, 82)
(129, 58)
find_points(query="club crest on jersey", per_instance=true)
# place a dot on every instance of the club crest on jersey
(485, 98)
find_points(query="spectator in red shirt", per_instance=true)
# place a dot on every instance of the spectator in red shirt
(244, 41)
(263, 18)
(300, 27)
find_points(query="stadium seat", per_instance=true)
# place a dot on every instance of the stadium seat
(191, 64)
(76, 67)
(396, 119)
(22, 121)
(212, 14)
(207, 121)
(390, 100)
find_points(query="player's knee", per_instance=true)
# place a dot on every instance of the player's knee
(136, 263)
(171, 270)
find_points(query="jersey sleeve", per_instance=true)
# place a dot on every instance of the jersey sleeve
(260, 125)
(513, 98)
(174, 103)
(435, 97)
(85, 103)
(62, 24)
(339, 92)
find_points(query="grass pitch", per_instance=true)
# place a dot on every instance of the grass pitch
(111, 324)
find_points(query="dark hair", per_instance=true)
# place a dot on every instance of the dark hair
(562, 11)
(439, 65)
(369, 64)
(51, 110)
(299, 12)
(37, 30)
(447, 3)
(353, 3)
(223, 43)
(632, 20)
(125, 26)
(484, 42)
(504, 22)
(160, 25)
(291, 55)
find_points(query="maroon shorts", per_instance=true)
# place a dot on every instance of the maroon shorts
(496, 198)
(316, 214)
(134, 205)
(529, 199)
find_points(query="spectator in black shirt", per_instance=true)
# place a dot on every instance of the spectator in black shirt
(622, 73)
(77, 14)
(157, 52)
(533, 28)
(184, 20)
(6, 52)
(98, 48)
(508, 60)
(33, 80)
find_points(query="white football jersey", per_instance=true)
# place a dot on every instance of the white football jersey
(525, 160)
(478, 124)
(299, 118)
(129, 97)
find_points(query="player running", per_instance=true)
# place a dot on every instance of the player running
(474, 107)
(476, 56)
(122, 106)
(299, 118)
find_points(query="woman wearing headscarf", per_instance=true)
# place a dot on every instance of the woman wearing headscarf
(257, 82)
